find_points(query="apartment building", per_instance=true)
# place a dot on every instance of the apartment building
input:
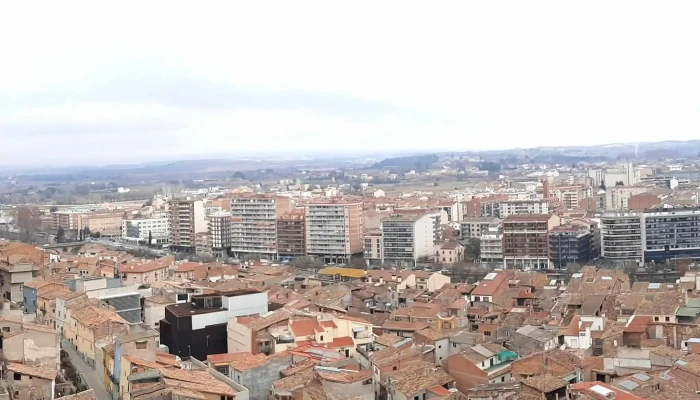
(187, 218)
(140, 229)
(334, 230)
(621, 236)
(671, 233)
(526, 240)
(220, 233)
(373, 246)
(570, 196)
(291, 235)
(571, 244)
(453, 210)
(406, 239)
(617, 197)
(474, 227)
(491, 242)
(106, 224)
(68, 220)
(624, 174)
(254, 228)
(437, 215)
(518, 207)
(487, 206)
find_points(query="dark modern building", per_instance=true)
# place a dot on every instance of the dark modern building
(671, 233)
(571, 244)
(196, 329)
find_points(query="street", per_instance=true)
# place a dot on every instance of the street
(93, 379)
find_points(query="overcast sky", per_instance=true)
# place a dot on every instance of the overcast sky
(83, 82)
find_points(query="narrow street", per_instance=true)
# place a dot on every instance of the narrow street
(93, 379)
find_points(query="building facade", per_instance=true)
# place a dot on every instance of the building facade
(571, 244)
(526, 240)
(139, 229)
(220, 233)
(291, 235)
(621, 236)
(334, 230)
(518, 207)
(406, 239)
(187, 218)
(254, 228)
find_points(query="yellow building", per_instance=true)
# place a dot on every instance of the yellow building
(341, 274)
(92, 324)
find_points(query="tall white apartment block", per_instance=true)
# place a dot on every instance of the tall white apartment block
(517, 207)
(407, 238)
(139, 229)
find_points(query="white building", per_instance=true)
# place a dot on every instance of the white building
(406, 238)
(514, 207)
(617, 197)
(491, 241)
(621, 236)
(139, 229)
(474, 227)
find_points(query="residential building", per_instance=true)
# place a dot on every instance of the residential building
(202, 243)
(493, 284)
(491, 244)
(396, 358)
(373, 246)
(526, 240)
(570, 196)
(145, 273)
(428, 281)
(63, 301)
(487, 206)
(254, 228)
(621, 236)
(187, 218)
(474, 227)
(89, 324)
(141, 229)
(406, 239)
(251, 334)
(14, 273)
(481, 364)
(291, 235)
(106, 224)
(32, 344)
(421, 380)
(530, 339)
(450, 253)
(334, 230)
(220, 232)
(437, 215)
(571, 244)
(30, 382)
(68, 220)
(671, 233)
(154, 308)
(257, 372)
(518, 207)
(454, 210)
(343, 334)
(617, 197)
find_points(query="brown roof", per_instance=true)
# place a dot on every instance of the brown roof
(305, 327)
(544, 383)
(225, 358)
(29, 370)
(93, 316)
(344, 375)
(404, 326)
(393, 354)
(387, 340)
(85, 395)
(248, 362)
(199, 381)
(418, 377)
(488, 287)
(276, 317)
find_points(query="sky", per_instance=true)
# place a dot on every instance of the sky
(96, 83)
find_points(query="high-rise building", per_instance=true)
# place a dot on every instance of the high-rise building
(491, 244)
(571, 243)
(373, 246)
(140, 229)
(334, 230)
(526, 240)
(406, 239)
(671, 233)
(517, 207)
(621, 236)
(254, 230)
(617, 197)
(186, 220)
(220, 233)
(291, 235)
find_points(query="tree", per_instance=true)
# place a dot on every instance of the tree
(239, 175)
(53, 209)
(96, 235)
(602, 184)
(60, 235)
(150, 238)
(619, 183)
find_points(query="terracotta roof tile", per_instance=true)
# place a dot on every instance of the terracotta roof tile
(29, 370)
(249, 362)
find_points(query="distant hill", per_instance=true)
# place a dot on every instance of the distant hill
(418, 162)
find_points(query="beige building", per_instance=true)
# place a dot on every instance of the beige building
(334, 230)
(91, 324)
(373, 246)
(107, 224)
(617, 197)
(32, 344)
(187, 219)
(450, 253)
(30, 382)
(254, 224)
(148, 272)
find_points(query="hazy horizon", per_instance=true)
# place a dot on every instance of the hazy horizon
(101, 84)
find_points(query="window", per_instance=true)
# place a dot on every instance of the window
(322, 338)
(668, 319)
(18, 377)
(454, 345)
(487, 333)
(141, 345)
(393, 368)
(656, 319)
(5, 328)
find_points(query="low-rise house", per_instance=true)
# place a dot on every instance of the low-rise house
(489, 288)
(437, 338)
(63, 300)
(154, 309)
(32, 344)
(258, 372)
(31, 290)
(15, 271)
(27, 381)
(579, 333)
(342, 333)
(252, 334)
(430, 281)
(481, 364)
(145, 273)
(92, 324)
(392, 359)
(544, 387)
(450, 253)
(530, 339)
(84, 395)
(117, 367)
(421, 380)
(557, 363)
